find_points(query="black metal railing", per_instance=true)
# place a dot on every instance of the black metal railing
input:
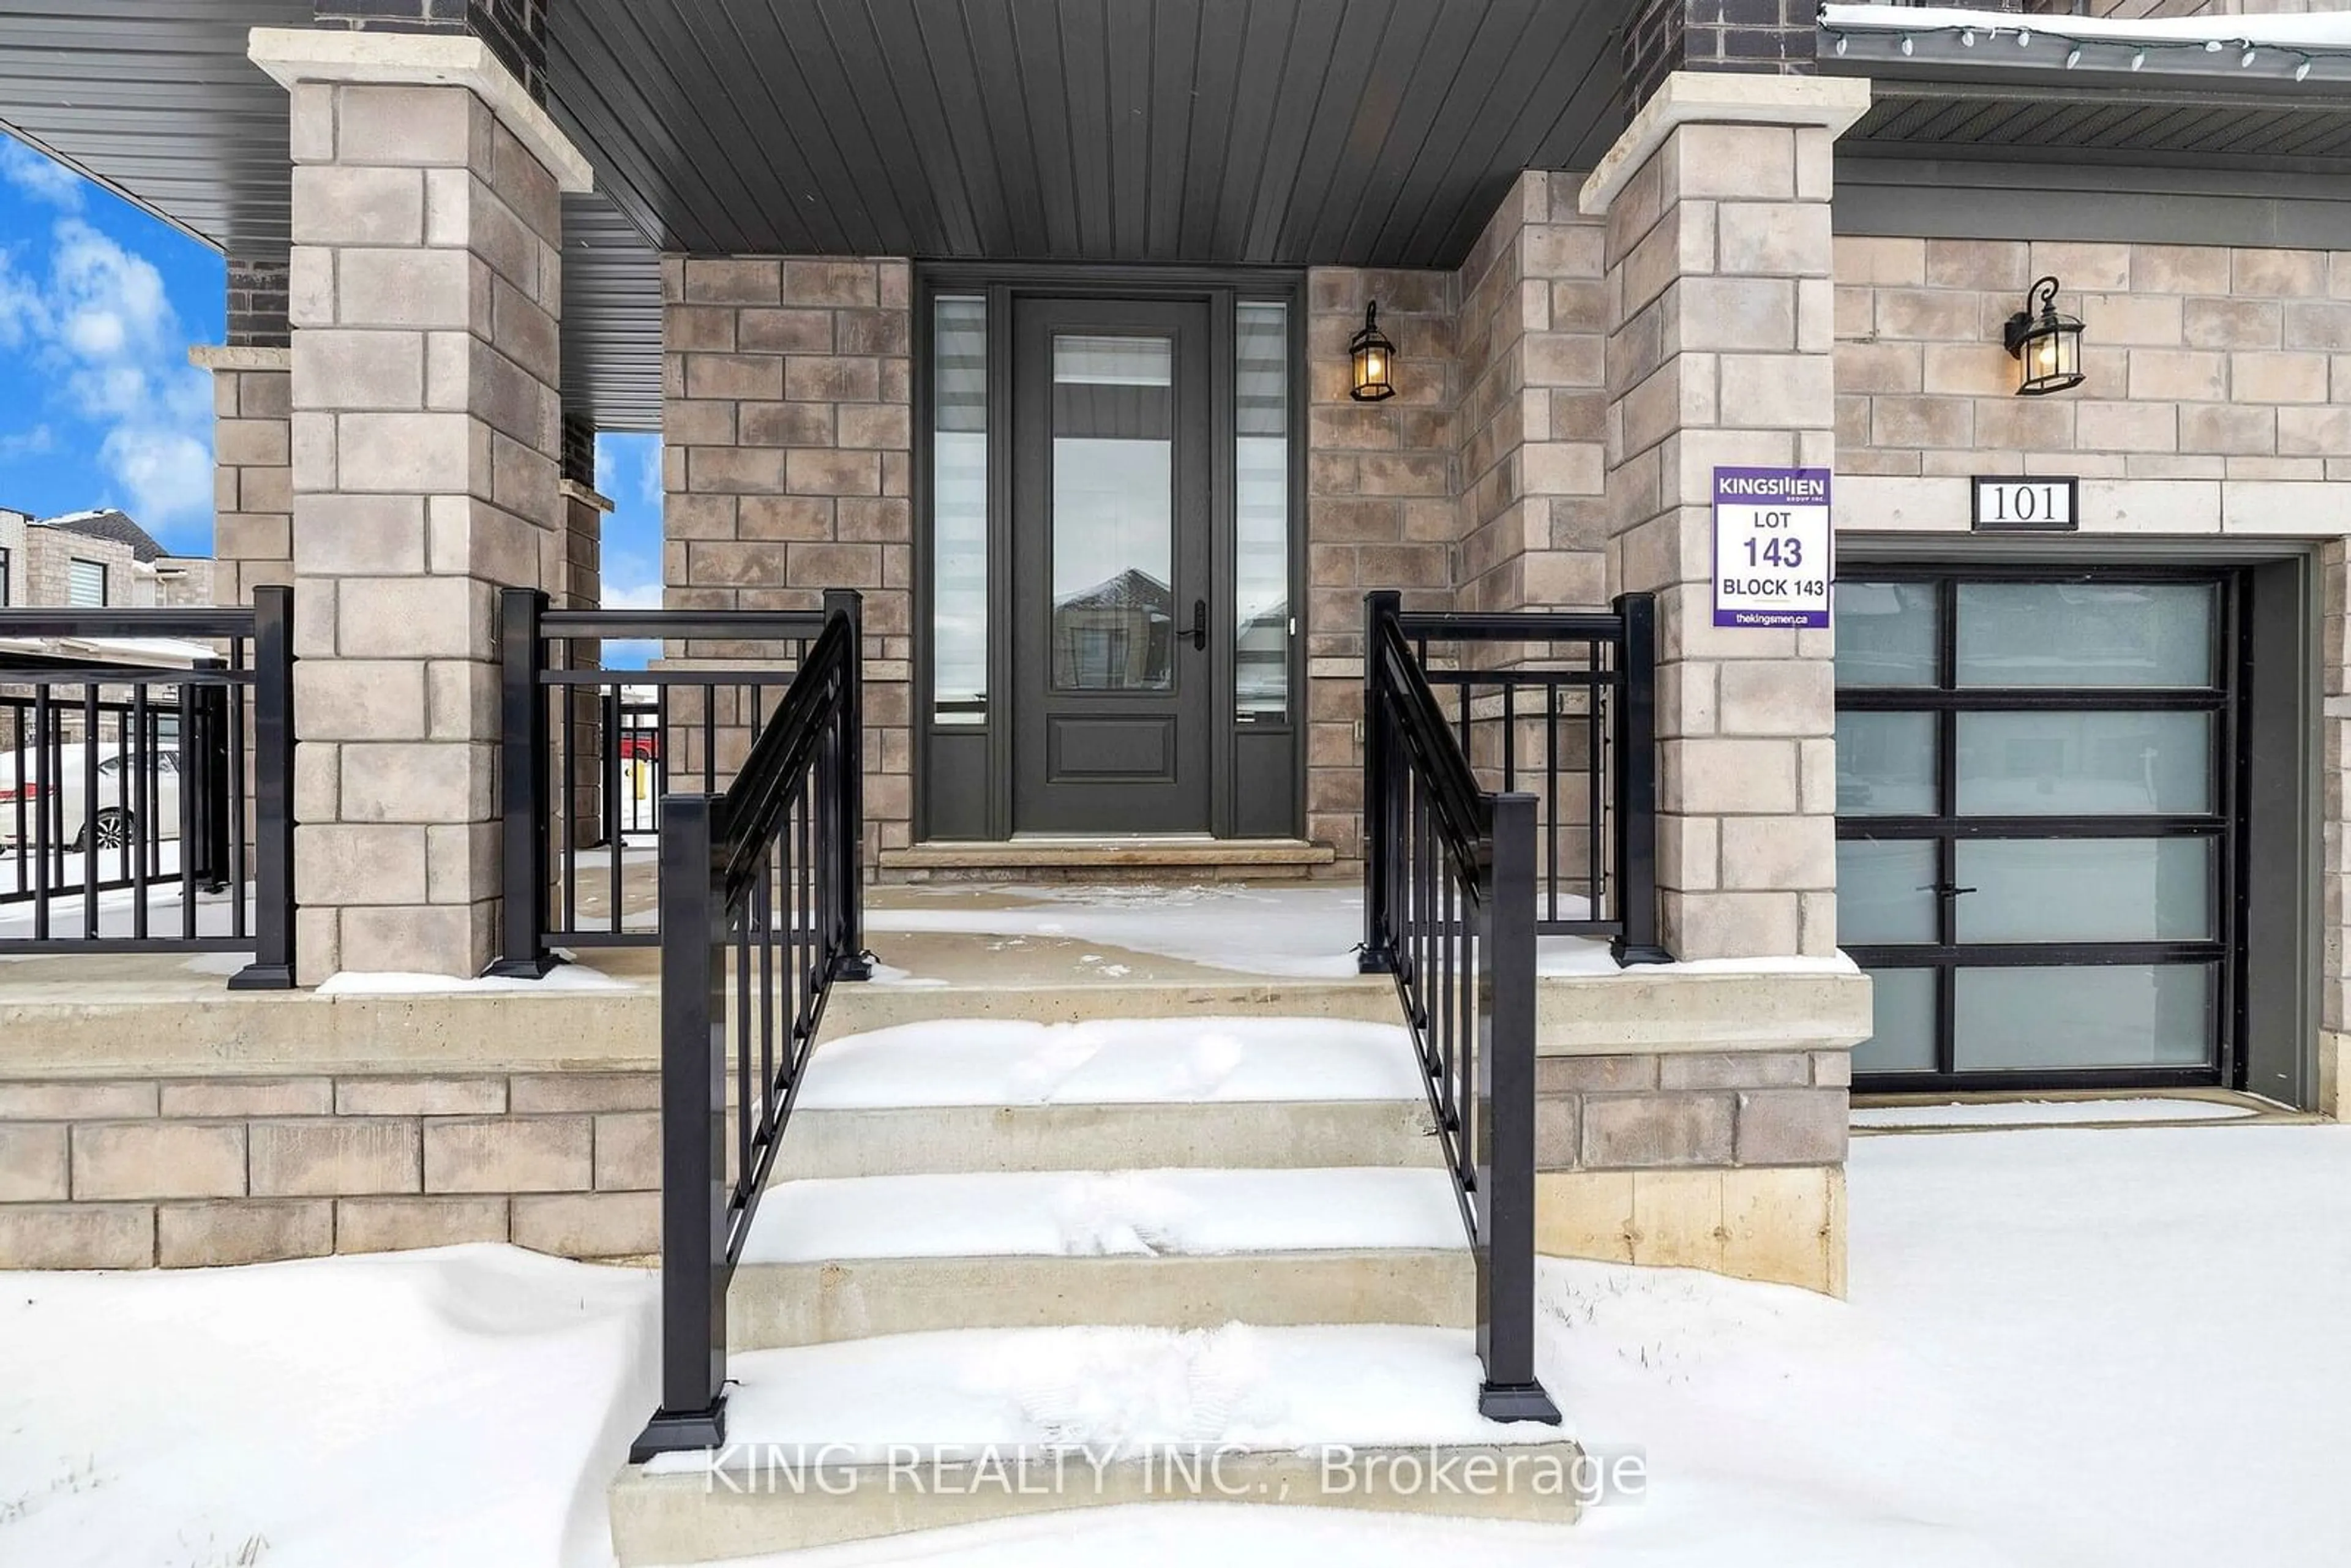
(146, 783)
(1457, 888)
(590, 752)
(1561, 705)
(760, 896)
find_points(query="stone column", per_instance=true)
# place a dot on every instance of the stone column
(253, 510)
(1717, 198)
(425, 295)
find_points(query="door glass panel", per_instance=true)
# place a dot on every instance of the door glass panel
(1261, 513)
(1885, 633)
(1885, 891)
(959, 511)
(2084, 764)
(2086, 890)
(1113, 524)
(2085, 635)
(1885, 764)
(2112, 1015)
(1903, 1001)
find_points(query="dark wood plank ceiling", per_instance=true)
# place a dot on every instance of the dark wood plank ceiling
(1280, 131)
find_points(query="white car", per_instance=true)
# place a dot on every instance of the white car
(108, 814)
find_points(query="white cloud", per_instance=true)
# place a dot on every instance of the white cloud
(33, 443)
(102, 330)
(38, 175)
(636, 596)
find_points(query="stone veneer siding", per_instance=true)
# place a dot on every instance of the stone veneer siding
(1380, 511)
(1718, 267)
(786, 420)
(137, 1173)
(253, 472)
(2201, 362)
(427, 287)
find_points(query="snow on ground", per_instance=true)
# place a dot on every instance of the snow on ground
(1096, 1214)
(462, 1408)
(2068, 1348)
(391, 983)
(1297, 933)
(2044, 1113)
(1112, 1062)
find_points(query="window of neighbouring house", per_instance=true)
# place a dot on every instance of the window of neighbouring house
(959, 510)
(4, 600)
(85, 582)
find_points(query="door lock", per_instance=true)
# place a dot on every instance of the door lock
(1200, 624)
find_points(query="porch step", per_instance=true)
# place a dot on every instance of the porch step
(919, 1431)
(832, 1260)
(986, 1095)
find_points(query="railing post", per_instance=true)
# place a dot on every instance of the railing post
(1633, 777)
(693, 1413)
(272, 968)
(1378, 954)
(1506, 1122)
(526, 803)
(850, 963)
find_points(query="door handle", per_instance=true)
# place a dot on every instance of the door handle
(1200, 624)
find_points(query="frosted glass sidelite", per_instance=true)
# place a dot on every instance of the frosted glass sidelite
(959, 511)
(2086, 634)
(1114, 547)
(1261, 513)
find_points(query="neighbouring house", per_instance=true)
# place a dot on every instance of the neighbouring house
(1953, 404)
(92, 559)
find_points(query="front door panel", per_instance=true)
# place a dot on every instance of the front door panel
(1112, 549)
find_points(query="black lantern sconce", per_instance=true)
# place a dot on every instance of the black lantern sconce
(1375, 358)
(2047, 345)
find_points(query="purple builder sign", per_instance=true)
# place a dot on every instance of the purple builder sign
(1772, 547)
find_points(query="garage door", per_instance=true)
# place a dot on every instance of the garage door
(2037, 834)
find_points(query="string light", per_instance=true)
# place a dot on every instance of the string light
(2138, 59)
(2072, 57)
(2245, 60)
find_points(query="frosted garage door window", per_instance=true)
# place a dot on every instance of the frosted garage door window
(2085, 635)
(2112, 1015)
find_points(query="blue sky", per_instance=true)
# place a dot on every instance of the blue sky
(100, 304)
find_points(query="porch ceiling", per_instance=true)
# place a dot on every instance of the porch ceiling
(1374, 132)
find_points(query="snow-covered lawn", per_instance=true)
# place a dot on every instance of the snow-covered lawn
(2062, 1347)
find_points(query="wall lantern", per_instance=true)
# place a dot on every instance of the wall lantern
(1374, 357)
(2047, 347)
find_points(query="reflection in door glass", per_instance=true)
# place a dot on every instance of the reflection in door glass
(1113, 523)
(1261, 513)
(959, 511)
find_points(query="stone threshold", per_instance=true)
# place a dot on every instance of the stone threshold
(1024, 856)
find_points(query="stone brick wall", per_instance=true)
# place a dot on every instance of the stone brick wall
(787, 422)
(2201, 362)
(182, 1173)
(1661, 36)
(515, 31)
(1718, 258)
(253, 472)
(45, 573)
(1380, 508)
(256, 304)
(1533, 422)
(425, 300)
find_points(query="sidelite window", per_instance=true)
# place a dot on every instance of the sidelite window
(1261, 513)
(959, 510)
(2037, 835)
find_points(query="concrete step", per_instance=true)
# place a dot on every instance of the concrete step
(876, 1437)
(1249, 1134)
(834, 1259)
(995, 1095)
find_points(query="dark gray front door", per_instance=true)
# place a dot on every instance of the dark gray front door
(1110, 565)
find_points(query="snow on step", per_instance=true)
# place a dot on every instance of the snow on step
(1128, 1389)
(1092, 1214)
(1112, 1062)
